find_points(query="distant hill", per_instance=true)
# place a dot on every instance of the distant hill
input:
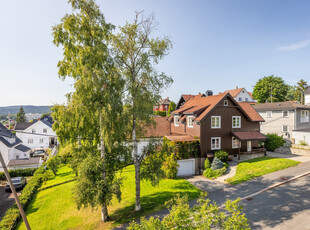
(27, 108)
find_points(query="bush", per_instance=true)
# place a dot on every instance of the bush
(303, 143)
(221, 155)
(12, 215)
(206, 164)
(170, 167)
(212, 174)
(161, 113)
(66, 153)
(274, 141)
(19, 172)
(217, 164)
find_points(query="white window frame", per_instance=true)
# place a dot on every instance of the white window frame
(219, 143)
(44, 130)
(192, 118)
(216, 127)
(287, 128)
(33, 130)
(287, 113)
(234, 143)
(30, 141)
(267, 114)
(239, 98)
(41, 140)
(305, 111)
(176, 121)
(239, 126)
(225, 102)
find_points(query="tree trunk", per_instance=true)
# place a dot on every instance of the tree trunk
(104, 209)
(137, 164)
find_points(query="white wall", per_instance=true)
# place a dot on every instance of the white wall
(301, 136)
(307, 99)
(38, 127)
(6, 152)
(245, 96)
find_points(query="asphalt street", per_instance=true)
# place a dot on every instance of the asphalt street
(6, 200)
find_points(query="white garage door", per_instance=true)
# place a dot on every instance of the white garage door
(186, 167)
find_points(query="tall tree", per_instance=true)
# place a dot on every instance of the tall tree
(21, 116)
(271, 89)
(300, 89)
(171, 108)
(93, 114)
(137, 52)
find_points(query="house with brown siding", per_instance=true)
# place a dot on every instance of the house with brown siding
(220, 123)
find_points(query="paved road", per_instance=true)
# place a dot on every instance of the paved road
(6, 200)
(286, 207)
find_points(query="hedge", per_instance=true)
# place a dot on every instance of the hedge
(12, 215)
(18, 172)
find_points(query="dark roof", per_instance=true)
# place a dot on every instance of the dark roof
(32, 160)
(23, 125)
(47, 123)
(47, 118)
(23, 148)
(164, 101)
(280, 106)
(5, 132)
(8, 144)
(249, 136)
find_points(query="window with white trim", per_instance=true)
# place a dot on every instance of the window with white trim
(235, 143)
(33, 130)
(215, 122)
(285, 113)
(240, 99)
(44, 130)
(236, 121)
(176, 120)
(225, 102)
(285, 128)
(190, 121)
(215, 143)
(304, 113)
(268, 113)
(41, 140)
(30, 141)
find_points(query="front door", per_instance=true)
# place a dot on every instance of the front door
(249, 147)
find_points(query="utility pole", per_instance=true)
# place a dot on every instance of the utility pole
(21, 210)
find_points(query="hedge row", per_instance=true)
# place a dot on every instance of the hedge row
(18, 172)
(12, 215)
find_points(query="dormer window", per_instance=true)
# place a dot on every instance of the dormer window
(190, 121)
(240, 99)
(33, 131)
(176, 120)
(225, 102)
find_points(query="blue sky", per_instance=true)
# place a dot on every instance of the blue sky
(217, 44)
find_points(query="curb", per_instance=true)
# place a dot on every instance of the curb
(274, 186)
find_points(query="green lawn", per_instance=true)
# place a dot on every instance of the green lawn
(64, 174)
(250, 169)
(54, 208)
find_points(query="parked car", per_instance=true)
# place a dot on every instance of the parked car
(18, 182)
(38, 153)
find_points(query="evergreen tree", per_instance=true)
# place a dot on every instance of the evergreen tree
(171, 108)
(21, 116)
(300, 89)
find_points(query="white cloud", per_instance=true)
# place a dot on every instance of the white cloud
(295, 46)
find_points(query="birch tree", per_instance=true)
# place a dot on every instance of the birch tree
(93, 114)
(137, 54)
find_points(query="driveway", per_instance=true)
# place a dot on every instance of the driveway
(6, 200)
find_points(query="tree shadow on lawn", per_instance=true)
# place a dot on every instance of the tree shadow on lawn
(150, 203)
(64, 174)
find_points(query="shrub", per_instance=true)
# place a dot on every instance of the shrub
(19, 172)
(217, 164)
(221, 155)
(170, 167)
(12, 215)
(212, 174)
(274, 141)
(161, 113)
(206, 164)
(303, 143)
(66, 153)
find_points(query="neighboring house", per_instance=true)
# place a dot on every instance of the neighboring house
(307, 96)
(37, 134)
(289, 119)
(240, 94)
(163, 105)
(219, 122)
(186, 97)
(15, 154)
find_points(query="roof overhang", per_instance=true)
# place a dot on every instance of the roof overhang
(249, 136)
(182, 138)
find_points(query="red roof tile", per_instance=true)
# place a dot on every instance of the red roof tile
(252, 113)
(161, 129)
(249, 136)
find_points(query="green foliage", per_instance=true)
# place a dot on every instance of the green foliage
(53, 163)
(18, 173)
(206, 164)
(274, 141)
(170, 167)
(66, 152)
(204, 215)
(212, 174)
(216, 164)
(28, 193)
(184, 149)
(171, 108)
(21, 116)
(270, 85)
(303, 143)
(221, 155)
(300, 88)
(160, 113)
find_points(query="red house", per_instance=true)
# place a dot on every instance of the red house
(163, 105)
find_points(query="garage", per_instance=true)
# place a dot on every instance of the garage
(186, 167)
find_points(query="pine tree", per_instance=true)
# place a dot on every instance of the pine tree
(21, 116)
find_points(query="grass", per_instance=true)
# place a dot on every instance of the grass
(64, 173)
(54, 208)
(250, 169)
